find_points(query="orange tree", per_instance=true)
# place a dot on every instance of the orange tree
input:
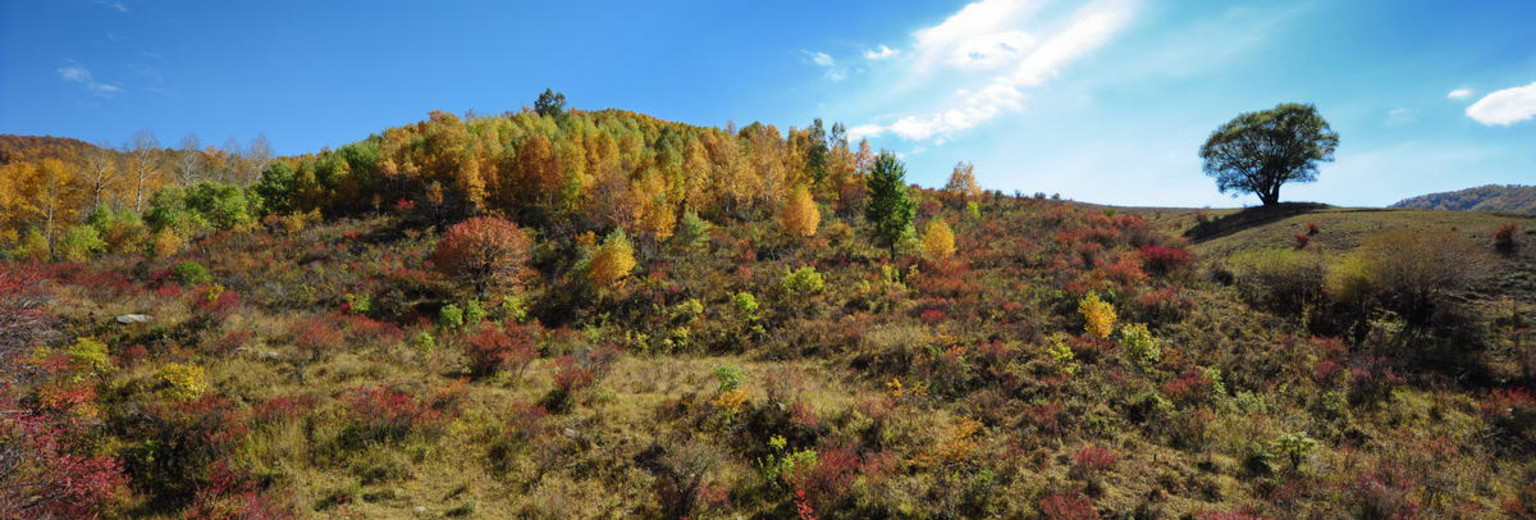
(489, 251)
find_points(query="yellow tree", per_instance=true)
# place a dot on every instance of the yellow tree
(799, 215)
(938, 241)
(962, 182)
(144, 164)
(611, 262)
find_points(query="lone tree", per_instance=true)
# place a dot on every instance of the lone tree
(1256, 152)
(891, 208)
(550, 103)
(488, 251)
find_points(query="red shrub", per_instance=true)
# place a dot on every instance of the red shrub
(1301, 240)
(489, 251)
(1504, 237)
(1195, 386)
(1126, 272)
(1313, 228)
(1161, 259)
(388, 414)
(1090, 461)
(46, 476)
(490, 350)
(1068, 506)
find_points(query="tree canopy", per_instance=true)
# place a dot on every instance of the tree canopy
(1257, 152)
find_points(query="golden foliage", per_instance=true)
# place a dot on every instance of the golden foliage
(938, 241)
(183, 382)
(799, 215)
(612, 261)
(962, 182)
(1100, 315)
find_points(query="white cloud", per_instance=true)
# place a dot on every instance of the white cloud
(74, 72)
(115, 6)
(998, 36)
(1461, 93)
(880, 53)
(824, 60)
(1505, 107)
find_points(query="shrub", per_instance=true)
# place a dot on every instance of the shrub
(1100, 316)
(191, 273)
(1504, 238)
(1161, 259)
(1284, 281)
(491, 350)
(1138, 341)
(1313, 228)
(1415, 270)
(1068, 506)
(1126, 272)
(1090, 463)
(692, 231)
(45, 478)
(80, 243)
(387, 413)
(89, 357)
(1301, 240)
(938, 241)
(450, 317)
(730, 377)
(489, 251)
(1294, 447)
(801, 282)
(183, 382)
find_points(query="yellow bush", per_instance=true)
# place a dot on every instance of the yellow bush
(183, 382)
(1100, 315)
(938, 240)
(167, 243)
(612, 261)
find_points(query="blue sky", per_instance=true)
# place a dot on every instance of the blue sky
(1098, 100)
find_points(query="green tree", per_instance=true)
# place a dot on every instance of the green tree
(550, 103)
(891, 209)
(1256, 152)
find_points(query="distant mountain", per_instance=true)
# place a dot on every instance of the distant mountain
(1492, 197)
(17, 148)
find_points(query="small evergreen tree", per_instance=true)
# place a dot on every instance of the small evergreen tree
(891, 209)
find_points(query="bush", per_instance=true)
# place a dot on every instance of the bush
(191, 273)
(938, 241)
(611, 262)
(490, 350)
(801, 282)
(1100, 316)
(450, 317)
(1140, 344)
(1286, 282)
(1161, 259)
(1504, 238)
(489, 251)
(80, 243)
(183, 382)
(1417, 270)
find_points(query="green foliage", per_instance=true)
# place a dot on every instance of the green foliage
(474, 313)
(450, 317)
(191, 273)
(359, 304)
(32, 245)
(80, 243)
(1295, 447)
(891, 209)
(782, 463)
(730, 377)
(222, 206)
(1285, 281)
(1139, 342)
(1257, 152)
(804, 281)
(692, 231)
(550, 104)
(1061, 354)
(277, 188)
(746, 306)
(515, 308)
(89, 357)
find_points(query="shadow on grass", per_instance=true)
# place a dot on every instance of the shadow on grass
(1250, 217)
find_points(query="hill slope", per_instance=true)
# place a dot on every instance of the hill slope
(1493, 197)
(665, 338)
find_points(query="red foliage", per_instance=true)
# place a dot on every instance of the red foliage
(1068, 506)
(490, 349)
(1313, 228)
(23, 324)
(1090, 461)
(803, 506)
(1504, 237)
(232, 495)
(1161, 259)
(390, 413)
(215, 302)
(490, 251)
(1193, 387)
(1302, 240)
(48, 477)
(1126, 272)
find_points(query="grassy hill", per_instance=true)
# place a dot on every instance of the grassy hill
(1065, 361)
(1492, 197)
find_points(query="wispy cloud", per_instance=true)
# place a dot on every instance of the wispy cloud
(74, 72)
(1505, 107)
(998, 51)
(880, 53)
(113, 5)
(1459, 94)
(825, 61)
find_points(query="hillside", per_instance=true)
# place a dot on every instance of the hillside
(565, 314)
(1493, 197)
